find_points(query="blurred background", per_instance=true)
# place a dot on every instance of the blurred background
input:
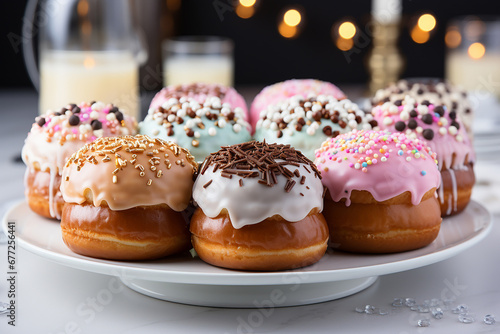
(328, 40)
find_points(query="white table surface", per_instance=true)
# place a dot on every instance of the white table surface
(52, 298)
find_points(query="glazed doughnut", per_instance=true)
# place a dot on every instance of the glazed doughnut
(433, 90)
(445, 134)
(279, 92)
(125, 196)
(202, 128)
(305, 123)
(200, 92)
(54, 137)
(381, 192)
(259, 208)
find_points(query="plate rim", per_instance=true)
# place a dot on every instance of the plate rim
(233, 277)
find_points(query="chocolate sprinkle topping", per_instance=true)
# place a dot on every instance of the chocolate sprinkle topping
(400, 125)
(440, 110)
(40, 121)
(266, 161)
(427, 118)
(96, 125)
(428, 134)
(412, 124)
(119, 116)
(74, 120)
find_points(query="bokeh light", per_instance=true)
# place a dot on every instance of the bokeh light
(292, 17)
(426, 22)
(452, 38)
(347, 30)
(286, 30)
(247, 3)
(344, 44)
(245, 12)
(476, 51)
(419, 36)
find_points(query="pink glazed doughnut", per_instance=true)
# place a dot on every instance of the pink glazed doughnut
(445, 134)
(54, 137)
(200, 92)
(381, 192)
(278, 92)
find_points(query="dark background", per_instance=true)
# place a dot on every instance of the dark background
(263, 56)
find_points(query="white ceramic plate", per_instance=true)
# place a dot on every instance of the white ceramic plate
(189, 280)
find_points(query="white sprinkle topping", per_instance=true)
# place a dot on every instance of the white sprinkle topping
(387, 120)
(110, 117)
(95, 115)
(404, 116)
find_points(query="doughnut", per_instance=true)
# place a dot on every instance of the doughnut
(381, 192)
(54, 137)
(435, 91)
(444, 133)
(278, 92)
(125, 196)
(200, 92)
(305, 123)
(201, 128)
(259, 208)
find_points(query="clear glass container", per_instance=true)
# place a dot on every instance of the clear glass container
(189, 59)
(473, 53)
(89, 51)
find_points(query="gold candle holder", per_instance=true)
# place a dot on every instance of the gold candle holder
(385, 62)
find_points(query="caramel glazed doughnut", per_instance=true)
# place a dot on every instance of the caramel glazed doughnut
(381, 192)
(124, 197)
(259, 209)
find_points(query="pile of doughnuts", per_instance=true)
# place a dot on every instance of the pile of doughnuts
(320, 173)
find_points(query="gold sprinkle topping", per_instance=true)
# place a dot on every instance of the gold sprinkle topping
(149, 182)
(131, 148)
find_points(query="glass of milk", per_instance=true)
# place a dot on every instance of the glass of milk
(189, 59)
(89, 50)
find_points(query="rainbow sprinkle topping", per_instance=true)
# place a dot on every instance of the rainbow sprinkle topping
(368, 148)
